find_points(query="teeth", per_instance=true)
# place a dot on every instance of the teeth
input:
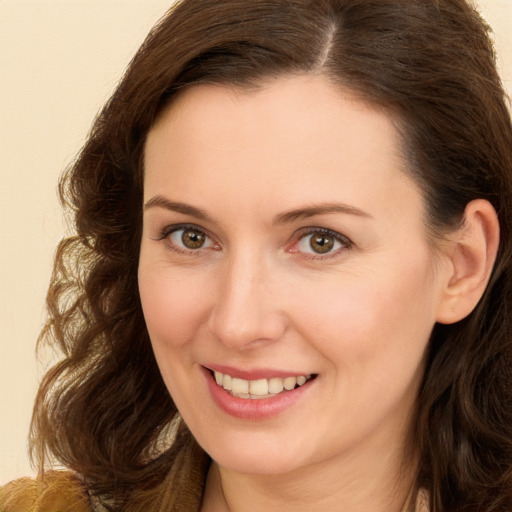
(227, 382)
(261, 388)
(289, 383)
(258, 387)
(275, 385)
(239, 386)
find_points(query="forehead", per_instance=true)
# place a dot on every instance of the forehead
(277, 103)
(291, 137)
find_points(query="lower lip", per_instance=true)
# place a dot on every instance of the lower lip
(254, 409)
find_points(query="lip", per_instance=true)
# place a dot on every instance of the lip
(256, 374)
(249, 409)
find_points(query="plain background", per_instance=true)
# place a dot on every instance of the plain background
(59, 62)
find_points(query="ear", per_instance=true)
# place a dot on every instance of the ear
(471, 253)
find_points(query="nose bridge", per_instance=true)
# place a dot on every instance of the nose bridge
(246, 308)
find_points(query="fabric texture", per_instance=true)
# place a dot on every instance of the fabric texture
(181, 491)
(59, 491)
(63, 491)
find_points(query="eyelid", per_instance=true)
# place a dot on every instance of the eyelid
(300, 234)
(308, 231)
(173, 228)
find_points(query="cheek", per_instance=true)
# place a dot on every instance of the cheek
(371, 320)
(372, 337)
(173, 306)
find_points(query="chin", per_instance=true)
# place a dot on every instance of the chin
(257, 464)
(257, 456)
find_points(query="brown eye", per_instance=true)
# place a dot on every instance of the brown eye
(321, 243)
(193, 239)
(188, 238)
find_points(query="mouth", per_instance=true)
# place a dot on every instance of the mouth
(260, 388)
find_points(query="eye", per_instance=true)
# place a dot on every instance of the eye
(320, 241)
(188, 238)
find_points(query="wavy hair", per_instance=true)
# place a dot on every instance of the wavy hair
(103, 409)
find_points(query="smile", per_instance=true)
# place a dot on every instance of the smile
(261, 388)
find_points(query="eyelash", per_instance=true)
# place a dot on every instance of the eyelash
(170, 230)
(344, 242)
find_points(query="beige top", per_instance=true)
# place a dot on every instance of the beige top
(422, 502)
(181, 491)
(63, 492)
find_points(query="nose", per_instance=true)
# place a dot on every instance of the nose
(248, 309)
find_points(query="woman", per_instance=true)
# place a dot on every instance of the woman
(289, 287)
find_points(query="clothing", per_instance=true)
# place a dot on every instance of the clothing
(63, 491)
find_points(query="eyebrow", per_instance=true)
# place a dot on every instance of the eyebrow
(319, 209)
(159, 201)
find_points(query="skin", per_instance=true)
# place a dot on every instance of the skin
(257, 295)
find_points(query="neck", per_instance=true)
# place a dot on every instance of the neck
(380, 486)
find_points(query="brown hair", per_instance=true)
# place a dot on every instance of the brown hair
(104, 411)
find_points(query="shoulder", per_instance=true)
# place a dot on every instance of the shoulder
(57, 490)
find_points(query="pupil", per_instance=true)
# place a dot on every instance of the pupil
(321, 243)
(192, 239)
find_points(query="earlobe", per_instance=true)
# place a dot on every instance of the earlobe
(471, 256)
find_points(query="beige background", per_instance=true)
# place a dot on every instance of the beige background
(59, 61)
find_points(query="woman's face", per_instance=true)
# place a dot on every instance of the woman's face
(283, 243)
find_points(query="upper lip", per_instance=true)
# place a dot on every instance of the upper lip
(253, 374)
